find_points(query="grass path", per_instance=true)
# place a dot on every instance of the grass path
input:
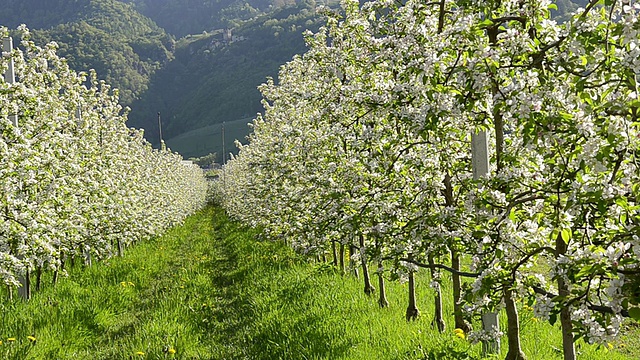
(208, 290)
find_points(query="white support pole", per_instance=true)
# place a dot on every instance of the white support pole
(480, 166)
(479, 154)
(25, 285)
(10, 75)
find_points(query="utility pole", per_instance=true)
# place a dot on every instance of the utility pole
(160, 128)
(480, 166)
(224, 156)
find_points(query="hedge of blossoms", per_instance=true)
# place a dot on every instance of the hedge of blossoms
(365, 142)
(74, 179)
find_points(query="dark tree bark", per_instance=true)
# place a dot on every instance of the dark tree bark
(513, 327)
(342, 264)
(459, 321)
(412, 308)
(55, 273)
(382, 301)
(38, 277)
(368, 288)
(438, 319)
(568, 347)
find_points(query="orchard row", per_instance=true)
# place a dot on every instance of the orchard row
(75, 181)
(366, 143)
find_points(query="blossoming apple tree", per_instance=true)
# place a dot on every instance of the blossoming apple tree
(76, 181)
(366, 141)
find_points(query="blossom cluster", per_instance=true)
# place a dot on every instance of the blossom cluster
(369, 135)
(74, 179)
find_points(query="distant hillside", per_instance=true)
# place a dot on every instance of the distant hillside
(212, 80)
(173, 57)
(566, 8)
(209, 139)
(122, 45)
(184, 17)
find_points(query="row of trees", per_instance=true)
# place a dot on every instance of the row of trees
(366, 143)
(75, 180)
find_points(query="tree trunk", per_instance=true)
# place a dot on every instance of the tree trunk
(412, 308)
(382, 301)
(438, 319)
(120, 253)
(334, 250)
(459, 320)
(568, 347)
(342, 265)
(38, 277)
(55, 273)
(368, 288)
(513, 327)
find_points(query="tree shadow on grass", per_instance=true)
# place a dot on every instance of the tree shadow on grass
(258, 313)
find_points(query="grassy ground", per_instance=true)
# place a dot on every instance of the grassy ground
(208, 290)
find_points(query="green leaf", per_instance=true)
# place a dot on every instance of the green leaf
(583, 60)
(634, 313)
(552, 7)
(485, 23)
(566, 235)
(587, 270)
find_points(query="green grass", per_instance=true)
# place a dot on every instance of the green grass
(208, 290)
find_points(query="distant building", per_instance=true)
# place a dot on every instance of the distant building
(227, 36)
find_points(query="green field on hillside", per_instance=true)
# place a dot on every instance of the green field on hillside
(208, 139)
(210, 290)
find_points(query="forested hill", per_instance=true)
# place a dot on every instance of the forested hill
(183, 17)
(123, 46)
(212, 80)
(172, 56)
(185, 69)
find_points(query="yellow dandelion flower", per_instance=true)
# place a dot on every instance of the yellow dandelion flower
(172, 351)
(11, 339)
(130, 283)
(609, 346)
(0, 342)
(459, 333)
(140, 353)
(123, 283)
(31, 338)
